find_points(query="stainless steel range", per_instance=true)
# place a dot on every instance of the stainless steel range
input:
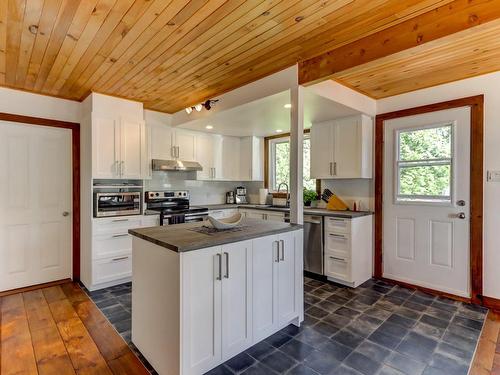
(173, 207)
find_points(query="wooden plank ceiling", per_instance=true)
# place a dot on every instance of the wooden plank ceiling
(462, 55)
(173, 53)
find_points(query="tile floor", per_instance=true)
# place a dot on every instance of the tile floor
(376, 329)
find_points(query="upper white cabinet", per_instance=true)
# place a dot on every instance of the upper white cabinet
(118, 146)
(205, 145)
(184, 143)
(251, 159)
(161, 138)
(342, 148)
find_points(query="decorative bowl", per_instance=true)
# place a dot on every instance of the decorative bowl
(226, 223)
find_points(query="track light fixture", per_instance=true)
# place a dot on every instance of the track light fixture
(198, 107)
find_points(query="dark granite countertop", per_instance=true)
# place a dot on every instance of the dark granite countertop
(307, 210)
(186, 237)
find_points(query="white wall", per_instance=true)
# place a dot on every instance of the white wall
(27, 104)
(489, 85)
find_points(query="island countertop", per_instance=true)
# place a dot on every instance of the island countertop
(199, 235)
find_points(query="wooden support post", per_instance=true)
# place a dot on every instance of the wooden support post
(296, 155)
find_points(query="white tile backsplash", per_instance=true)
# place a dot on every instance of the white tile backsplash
(351, 190)
(201, 192)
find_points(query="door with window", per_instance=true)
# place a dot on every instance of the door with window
(426, 200)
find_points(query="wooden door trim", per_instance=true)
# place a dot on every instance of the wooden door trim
(75, 150)
(476, 103)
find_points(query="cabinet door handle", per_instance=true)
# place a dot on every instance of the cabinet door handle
(331, 171)
(172, 151)
(339, 259)
(277, 260)
(227, 265)
(219, 261)
(335, 168)
(118, 259)
(120, 235)
(178, 151)
(117, 166)
(282, 250)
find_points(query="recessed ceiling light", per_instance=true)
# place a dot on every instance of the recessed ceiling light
(288, 106)
(209, 127)
(279, 131)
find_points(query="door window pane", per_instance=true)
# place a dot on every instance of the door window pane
(425, 144)
(425, 164)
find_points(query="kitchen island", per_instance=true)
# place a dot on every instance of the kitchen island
(200, 296)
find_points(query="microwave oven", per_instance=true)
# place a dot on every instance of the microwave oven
(117, 204)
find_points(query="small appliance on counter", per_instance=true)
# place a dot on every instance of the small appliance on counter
(241, 195)
(230, 197)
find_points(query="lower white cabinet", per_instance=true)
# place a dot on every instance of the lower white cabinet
(275, 302)
(194, 310)
(223, 213)
(216, 305)
(110, 253)
(348, 249)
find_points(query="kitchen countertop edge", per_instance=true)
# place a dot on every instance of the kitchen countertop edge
(139, 233)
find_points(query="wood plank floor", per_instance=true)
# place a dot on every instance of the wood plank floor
(487, 358)
(59, 330)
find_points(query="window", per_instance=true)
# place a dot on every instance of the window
(424, 164)
(279, 160)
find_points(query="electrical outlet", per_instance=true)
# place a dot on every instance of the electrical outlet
(493, 176)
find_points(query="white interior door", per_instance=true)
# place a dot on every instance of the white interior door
(426, 200)
(35, 212)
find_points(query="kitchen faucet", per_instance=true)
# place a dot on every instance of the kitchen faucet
(287, 193)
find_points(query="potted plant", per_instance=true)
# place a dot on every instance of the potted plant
(309, 196)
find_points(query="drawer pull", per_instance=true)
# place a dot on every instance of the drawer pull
(339, 259)
(334, 219)
(118, 259)
(338, 236)
(120, 235)
(119, 220)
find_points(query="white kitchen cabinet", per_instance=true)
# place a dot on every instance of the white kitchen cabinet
(111, 249)
(105, 148)
(117, 148)
(132, 144)
(217, 286)
(229, 159)
(184, 142)
(275, 300)
(161, 142)
(348, 249)
(342, 148)
(205, 145)
(251, 159)
(194, 310)
(201, 310)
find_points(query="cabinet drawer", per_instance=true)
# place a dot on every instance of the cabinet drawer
(338, 242)
(111, 269)
(338, 267)
(337, 225)
(112, 245)
(116, 225)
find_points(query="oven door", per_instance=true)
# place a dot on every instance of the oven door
(190, 218)
(117, 204)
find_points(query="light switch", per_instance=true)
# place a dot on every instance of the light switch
(493, 176)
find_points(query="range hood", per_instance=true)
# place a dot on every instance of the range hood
(175, 165)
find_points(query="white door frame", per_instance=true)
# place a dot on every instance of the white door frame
(75, 150)
(476, 103)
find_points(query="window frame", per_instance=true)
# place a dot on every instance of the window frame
(431, 200)
(269, 159)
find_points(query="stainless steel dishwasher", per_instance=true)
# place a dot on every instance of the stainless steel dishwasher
(313, 244)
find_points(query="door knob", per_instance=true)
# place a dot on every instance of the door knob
(65, 213)
(461, 215)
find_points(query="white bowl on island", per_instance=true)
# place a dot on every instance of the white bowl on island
(226, 223)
